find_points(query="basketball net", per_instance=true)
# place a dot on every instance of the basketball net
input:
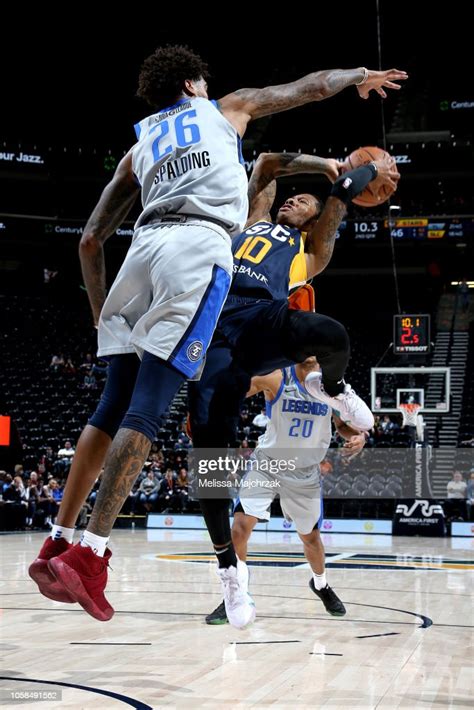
(409, 413)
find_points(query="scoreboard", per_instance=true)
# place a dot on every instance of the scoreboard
(411, 334)
(409, 229)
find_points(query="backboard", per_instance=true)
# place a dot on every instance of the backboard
(428, 386)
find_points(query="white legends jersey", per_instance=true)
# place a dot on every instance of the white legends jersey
(297, 421)
(188, 161)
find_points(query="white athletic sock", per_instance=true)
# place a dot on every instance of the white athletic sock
(319, 580)
(95, 542)
(58, 531)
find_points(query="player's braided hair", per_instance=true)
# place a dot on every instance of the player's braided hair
(164, 72)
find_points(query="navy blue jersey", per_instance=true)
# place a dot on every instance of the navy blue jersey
(268, 260)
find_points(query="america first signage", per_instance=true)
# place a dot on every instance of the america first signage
(415, 516)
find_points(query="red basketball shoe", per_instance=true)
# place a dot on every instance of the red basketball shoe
(39, 571)
(84, 575)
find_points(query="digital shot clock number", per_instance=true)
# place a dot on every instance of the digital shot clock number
(411, 334)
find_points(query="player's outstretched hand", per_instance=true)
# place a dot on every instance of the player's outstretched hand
(377, 80)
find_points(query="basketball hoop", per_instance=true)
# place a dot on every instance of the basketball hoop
(409, 413)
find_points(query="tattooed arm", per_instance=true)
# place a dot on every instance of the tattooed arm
(269, 166)
(321, 238)
(114, 205)
(246, 105)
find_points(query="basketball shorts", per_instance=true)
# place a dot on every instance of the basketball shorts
(299, 491)
(169, 293)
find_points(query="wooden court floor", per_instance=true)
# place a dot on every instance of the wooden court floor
(406, 641)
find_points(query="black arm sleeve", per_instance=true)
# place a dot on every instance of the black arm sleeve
(350, 184)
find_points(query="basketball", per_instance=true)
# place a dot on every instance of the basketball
(374, 194)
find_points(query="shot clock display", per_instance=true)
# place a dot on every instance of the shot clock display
(411, 334)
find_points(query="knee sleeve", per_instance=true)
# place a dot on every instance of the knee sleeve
(115, 400)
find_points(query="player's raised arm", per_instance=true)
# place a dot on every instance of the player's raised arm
(246, 105)
(115, 203)
(269, 166)
(321, 238)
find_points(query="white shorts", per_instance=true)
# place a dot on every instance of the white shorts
(169, 293)
(300, 497)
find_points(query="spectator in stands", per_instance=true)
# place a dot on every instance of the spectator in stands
(386, 425)
(7, 481)
(168, 498)
(56, 491)
(148, 491)
(468, 442)
(182, 442)
(50, 499)
(32, 493)
(57, 363)
(69, 367)
(182, 484)
(261, 420)
(90, 383)
(36, 478)
(244, 424)
(18, 487)
(456, 503)
(47, 460)
(14, 497)
(48, 275)
(463, 291)
(457, 486)
(157, 465)
(65, 456)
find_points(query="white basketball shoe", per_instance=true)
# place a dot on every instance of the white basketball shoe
(239, 605)
(351, 408)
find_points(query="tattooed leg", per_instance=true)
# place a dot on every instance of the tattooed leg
(124, 462)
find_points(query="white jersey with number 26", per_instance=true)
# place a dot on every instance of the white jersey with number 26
(188, 161)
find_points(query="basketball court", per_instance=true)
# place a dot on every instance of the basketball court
(404, 642)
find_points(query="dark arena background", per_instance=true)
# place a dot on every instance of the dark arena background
(398, 524)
